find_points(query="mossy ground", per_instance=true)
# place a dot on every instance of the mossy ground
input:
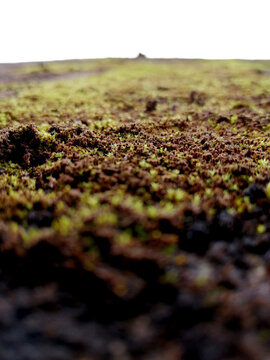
(139, 189)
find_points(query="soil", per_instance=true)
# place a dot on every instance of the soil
(134, 210)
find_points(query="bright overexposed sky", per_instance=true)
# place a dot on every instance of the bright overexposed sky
(35, 30)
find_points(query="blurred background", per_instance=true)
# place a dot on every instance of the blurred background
(34, 30)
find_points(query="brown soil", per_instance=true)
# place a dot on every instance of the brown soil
(135, 210)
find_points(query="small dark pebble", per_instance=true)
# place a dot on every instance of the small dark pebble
(40, 218)
(151, 105)
(224, 225)
(222, 119)
(197, 238)
(254, 192)
(141, 56)
(197, 98)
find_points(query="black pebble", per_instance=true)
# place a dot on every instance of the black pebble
(254, 192)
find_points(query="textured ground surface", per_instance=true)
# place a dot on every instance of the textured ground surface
(134, 210)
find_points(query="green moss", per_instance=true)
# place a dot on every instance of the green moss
(63, 225)
(111, 164)
(106, 219)
(261, 228)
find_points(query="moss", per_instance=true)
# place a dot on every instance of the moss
(176, 194)
(148, 174)
(267, 190)
(62, 225)
(261, 228)
(124, 238)
(152, 212)
(170, 277)
(144, 164)
(106, 219)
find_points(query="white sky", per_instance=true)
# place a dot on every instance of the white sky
(32, 30)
